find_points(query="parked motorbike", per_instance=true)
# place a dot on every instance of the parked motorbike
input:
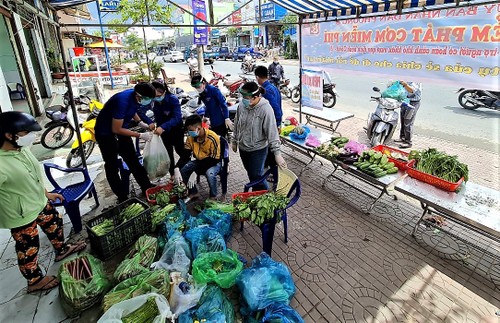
(195, 106)
(472, 99)
(248, 66)
(383, 122)
(58, 131)
(284, 89)
(231, 87)
(329, 94)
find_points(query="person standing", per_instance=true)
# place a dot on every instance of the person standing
(24, 202)
(408, 113)
(276, 72)
(255, 132)
(115, 139)
(168, 118)
(216, 112)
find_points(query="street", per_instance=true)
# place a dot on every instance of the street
(439, 116)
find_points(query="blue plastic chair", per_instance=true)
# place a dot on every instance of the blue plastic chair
(289, 185)
(73, 194)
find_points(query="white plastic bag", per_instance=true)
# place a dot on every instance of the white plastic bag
(156, 160)
(181, 301)
(176, 256)
(119, 310)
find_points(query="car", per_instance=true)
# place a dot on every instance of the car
(224, 52)
(173, 56)
(239, 53)
(208, 58)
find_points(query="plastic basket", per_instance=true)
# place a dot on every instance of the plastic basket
(123, 235)
(79, 51)
(431, 179)
(402, 165)
(156, 189)
(245, 195)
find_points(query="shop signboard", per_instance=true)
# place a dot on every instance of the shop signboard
(453, 46)
(312, 88)
(200, 29)
(118, 78)
(108, 5)
(270, 12)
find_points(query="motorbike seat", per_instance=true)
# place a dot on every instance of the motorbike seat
(230, 83)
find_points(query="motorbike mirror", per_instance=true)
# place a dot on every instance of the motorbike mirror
(212, 66)
(376, 89)
(228, 75)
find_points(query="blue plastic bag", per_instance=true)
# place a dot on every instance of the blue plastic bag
(205, 239)
(176, 222)
(281, 313)
(396, 91)
(214, 307)
(218, 220)
(302, 136)
(264, 283)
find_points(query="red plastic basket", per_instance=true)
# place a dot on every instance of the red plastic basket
(402, 165)
(431, 179)
(245, 195)
(79, 51)
(156, 189)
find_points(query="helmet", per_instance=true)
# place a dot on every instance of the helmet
(291, 121)
(14, 122)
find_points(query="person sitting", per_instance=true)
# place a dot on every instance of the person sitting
(205, 146)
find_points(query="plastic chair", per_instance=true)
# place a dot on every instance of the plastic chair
(16, 88)
(73, 194)
(224, 153)
(287, 184)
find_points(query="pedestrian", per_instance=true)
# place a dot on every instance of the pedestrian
(255, 132)
(216, 112)
(276, 72)
(192, 63)
(168, 118)
(408, 113)
(204, 145)
(114, 137)
(24, 202)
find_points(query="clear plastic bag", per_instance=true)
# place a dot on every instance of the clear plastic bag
(205, 239)
(183, 300)
(176, 256)
(120, 310)
(214, 307)
(156, 160)
(220, 267)
(281, 313)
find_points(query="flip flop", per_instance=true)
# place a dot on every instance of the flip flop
(71, 249)
(52, 283)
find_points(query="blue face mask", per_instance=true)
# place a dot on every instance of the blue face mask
(246, 102)
(159, 99)
(145, 101)
(192, 133)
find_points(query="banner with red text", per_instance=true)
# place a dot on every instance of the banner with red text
(460, 45)
(312, 88)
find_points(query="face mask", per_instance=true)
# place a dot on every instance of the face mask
(246, 102)
(159, 99)
(26, 140)
(275, 62)
(200, 90)
(193, 133)
(145, 101)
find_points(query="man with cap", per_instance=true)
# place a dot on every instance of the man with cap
(24, 202)
(114, 137)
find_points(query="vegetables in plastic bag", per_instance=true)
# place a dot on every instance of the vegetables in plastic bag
(313, 141)
(205, 239)
(176, 222)
(283, 313)
(355, 147)
(176, 256)
(265, 282)
(159, 214)
(156, 160)
(219, 220)
(182, 299)
(156, 281)
(138, 260)
(286, 130)
(396, 91)
(214, 307)
(302, 135)
(82, 282)
(215, 205)
(118, 312)
(221, 267)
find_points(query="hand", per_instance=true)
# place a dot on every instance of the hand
(143, 125)
(158, 131)
(229, 124)
(177, 175)
(280, 161)
(152, 126)
(54, 197)
(234, 146)
(207, 121)
(146, 136)
(192, 180)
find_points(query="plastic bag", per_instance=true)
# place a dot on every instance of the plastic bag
(302, 136)
(183, 300)
(205, 239)
(396, 91)
(355, 147)
(221, 267)
(156, 281)
(281, 313)
(176, 222)
(176, 256)
(118, 311)
(138, 260)
(286, 130)
(265, 282)
(79, 294)
(218, 220)
(156, 160)
(214, 307)
(312, 141)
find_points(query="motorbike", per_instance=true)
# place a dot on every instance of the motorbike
(284, 89)
(472, 99)
(231, 87)
(58, 131)
(329, 94)
(248, 66)
(193, 69)
(195, 106)
(383, 122)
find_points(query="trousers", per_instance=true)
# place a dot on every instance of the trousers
(407, 116)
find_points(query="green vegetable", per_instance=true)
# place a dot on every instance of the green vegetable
(138, 260)
(104, 227)
(260, 209)
(392, 170)
(131, 212)
(162, 198)
(144, 314)
(159, 215)
(224, 207)
(439, 164)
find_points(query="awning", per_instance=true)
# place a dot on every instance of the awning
(61, 4)
(101, 45)
(339, 8)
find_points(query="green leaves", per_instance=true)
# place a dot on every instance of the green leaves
(259, 209)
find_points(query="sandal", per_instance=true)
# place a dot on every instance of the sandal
(50, 283)
(71, 249)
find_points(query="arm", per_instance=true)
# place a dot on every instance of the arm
(222, 104)
(142, 115)
(177, 115)
(271, 132)
(185, 157)
(117, 128)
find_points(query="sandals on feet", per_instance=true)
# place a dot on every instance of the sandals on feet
(49, 283)
(71, 249)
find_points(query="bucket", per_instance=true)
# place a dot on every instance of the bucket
(79, 51)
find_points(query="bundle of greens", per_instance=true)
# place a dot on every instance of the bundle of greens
(439, 164)
(259, 209)
(104, 227)
(224, 207)
(159, 214)
(144, 314)
(138, 260)
(131, 212)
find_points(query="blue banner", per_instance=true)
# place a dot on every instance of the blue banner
(312, 89)
(201, 29)
(456, 45)
(108, 5)
(270, 12)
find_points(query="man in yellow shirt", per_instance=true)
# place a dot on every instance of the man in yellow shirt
(204, 145)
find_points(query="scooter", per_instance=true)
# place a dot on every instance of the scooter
(284, 89)
(383, 122)
(330, 94)
(58, 131)
(193, 69)
(248, 66)
(194, 106)
(471, 99)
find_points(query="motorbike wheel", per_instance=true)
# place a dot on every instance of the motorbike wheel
(466, 104)
(377, 139)
(74, 158)
(295, 95)
(286, 92)
(57, 136)
(329, 100)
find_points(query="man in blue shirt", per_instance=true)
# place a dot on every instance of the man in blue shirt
(114, 137)
(215, 106)
(272, 94)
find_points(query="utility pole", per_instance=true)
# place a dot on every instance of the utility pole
(201, 61)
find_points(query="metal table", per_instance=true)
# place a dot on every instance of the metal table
(474, 206)
(334, 117)
(300, 146)
(381, 183)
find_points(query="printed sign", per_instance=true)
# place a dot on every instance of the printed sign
(200, 29)
(109, 5)
(312, 88)
(456, 45)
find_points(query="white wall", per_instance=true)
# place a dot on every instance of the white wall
(5, 104)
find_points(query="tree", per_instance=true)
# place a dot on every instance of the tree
(97, 33)
(135, 11)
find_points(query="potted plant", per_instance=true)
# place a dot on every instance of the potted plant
(55, 63)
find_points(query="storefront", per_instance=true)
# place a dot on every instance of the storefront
(270, 35)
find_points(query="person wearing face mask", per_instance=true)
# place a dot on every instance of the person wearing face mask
(168, 117)
(216, 112)
(255, 132)
(204, 145)
(276, 72)
(25, 203)
(114, 137)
